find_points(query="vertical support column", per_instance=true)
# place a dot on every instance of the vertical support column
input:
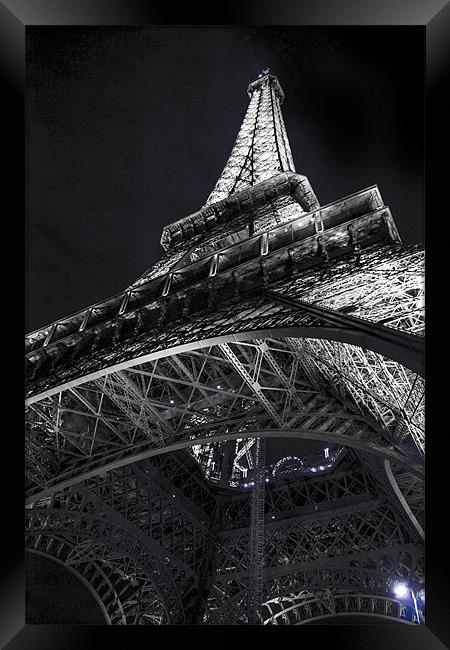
(206, 573)
(256, 551)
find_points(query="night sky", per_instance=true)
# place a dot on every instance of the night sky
(128, 129)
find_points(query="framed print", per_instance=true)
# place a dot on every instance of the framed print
(225, 365)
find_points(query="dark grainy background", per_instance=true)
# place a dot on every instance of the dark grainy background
(129, 128)
(54, 595)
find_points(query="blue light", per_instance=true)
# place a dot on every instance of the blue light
(401, 589)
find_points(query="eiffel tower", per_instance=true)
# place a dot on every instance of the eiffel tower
(238, 436)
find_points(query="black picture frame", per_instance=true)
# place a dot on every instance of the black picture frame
(434, 16)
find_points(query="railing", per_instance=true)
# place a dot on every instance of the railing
(277, 239)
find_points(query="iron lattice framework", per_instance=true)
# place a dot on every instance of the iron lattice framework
(153, 468)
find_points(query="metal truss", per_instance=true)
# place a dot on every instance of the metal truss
(256, 549)
(133, 526)
(218, 393)
(118, 543)
(122, 590)
(330, 532)
(411, 489)
(317, 537)
(380, 388)
(268, 316)
(239, 267)
(402, 487)
(289, 496)
(383, 285)
(127, 396)
(300, 608)
(262, 148)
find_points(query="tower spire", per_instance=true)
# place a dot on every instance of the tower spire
(262, 147)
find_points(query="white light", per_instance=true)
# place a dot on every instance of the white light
(219, 387)
(313, 469)
(326, 451)
(273, 516)
(321, 467)
(172, 402)
(401, 590)
(173, 496)
(421, 595)
(267, 480)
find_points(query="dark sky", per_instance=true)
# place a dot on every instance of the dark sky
(128, 129)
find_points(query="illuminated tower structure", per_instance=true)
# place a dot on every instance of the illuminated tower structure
(238, 436)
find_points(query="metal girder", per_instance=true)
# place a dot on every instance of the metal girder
(152, 504)
(48, 367)
(145, 502)
(322, 605)
(262, 130)
(256, 561)
(409, 490)
(124, 597)
(384, 285)
(380, 389)
(252, 383)
(346, 485)
(403, 347)
(374, 569)
(373, 545)
(126, 395)
(116, 538)
(269, 316)
(75, 475)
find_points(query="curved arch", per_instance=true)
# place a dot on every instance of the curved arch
(365, 614)
(92, 525)
(326, 333)
(80, 577)
(341, 439)
(312, 608)
(322, 576)
(398, 493)
(112, 602)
